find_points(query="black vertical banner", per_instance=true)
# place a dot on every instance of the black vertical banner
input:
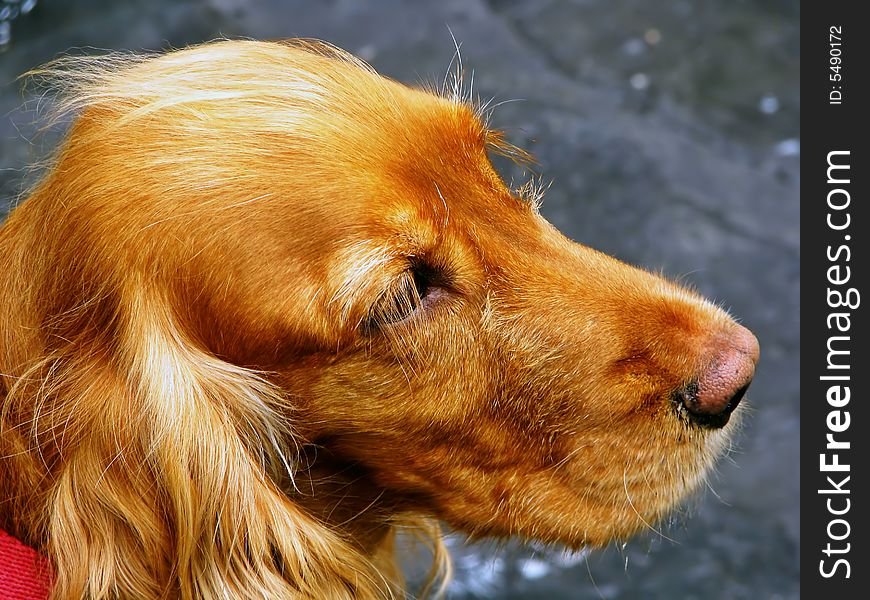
(835, 368)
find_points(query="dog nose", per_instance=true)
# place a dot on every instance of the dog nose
(723, 382)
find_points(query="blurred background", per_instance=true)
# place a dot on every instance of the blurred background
(670, 132)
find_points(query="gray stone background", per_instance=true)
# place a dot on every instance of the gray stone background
(670, 132)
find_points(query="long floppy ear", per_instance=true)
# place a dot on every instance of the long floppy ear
(169, 468)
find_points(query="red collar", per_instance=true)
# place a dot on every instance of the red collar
(24, 574)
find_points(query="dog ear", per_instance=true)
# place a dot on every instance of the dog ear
(170, 464)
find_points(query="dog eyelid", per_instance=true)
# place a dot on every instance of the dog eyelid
(404, 298)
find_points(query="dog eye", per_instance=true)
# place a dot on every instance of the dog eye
(405, 297)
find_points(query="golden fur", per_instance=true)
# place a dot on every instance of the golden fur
(266, 307)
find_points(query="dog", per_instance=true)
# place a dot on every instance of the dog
(266, 308)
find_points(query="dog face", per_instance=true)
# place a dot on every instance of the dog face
(425, 322)
(288, 212)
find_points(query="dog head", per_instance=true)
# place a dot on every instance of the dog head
(271, 248)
